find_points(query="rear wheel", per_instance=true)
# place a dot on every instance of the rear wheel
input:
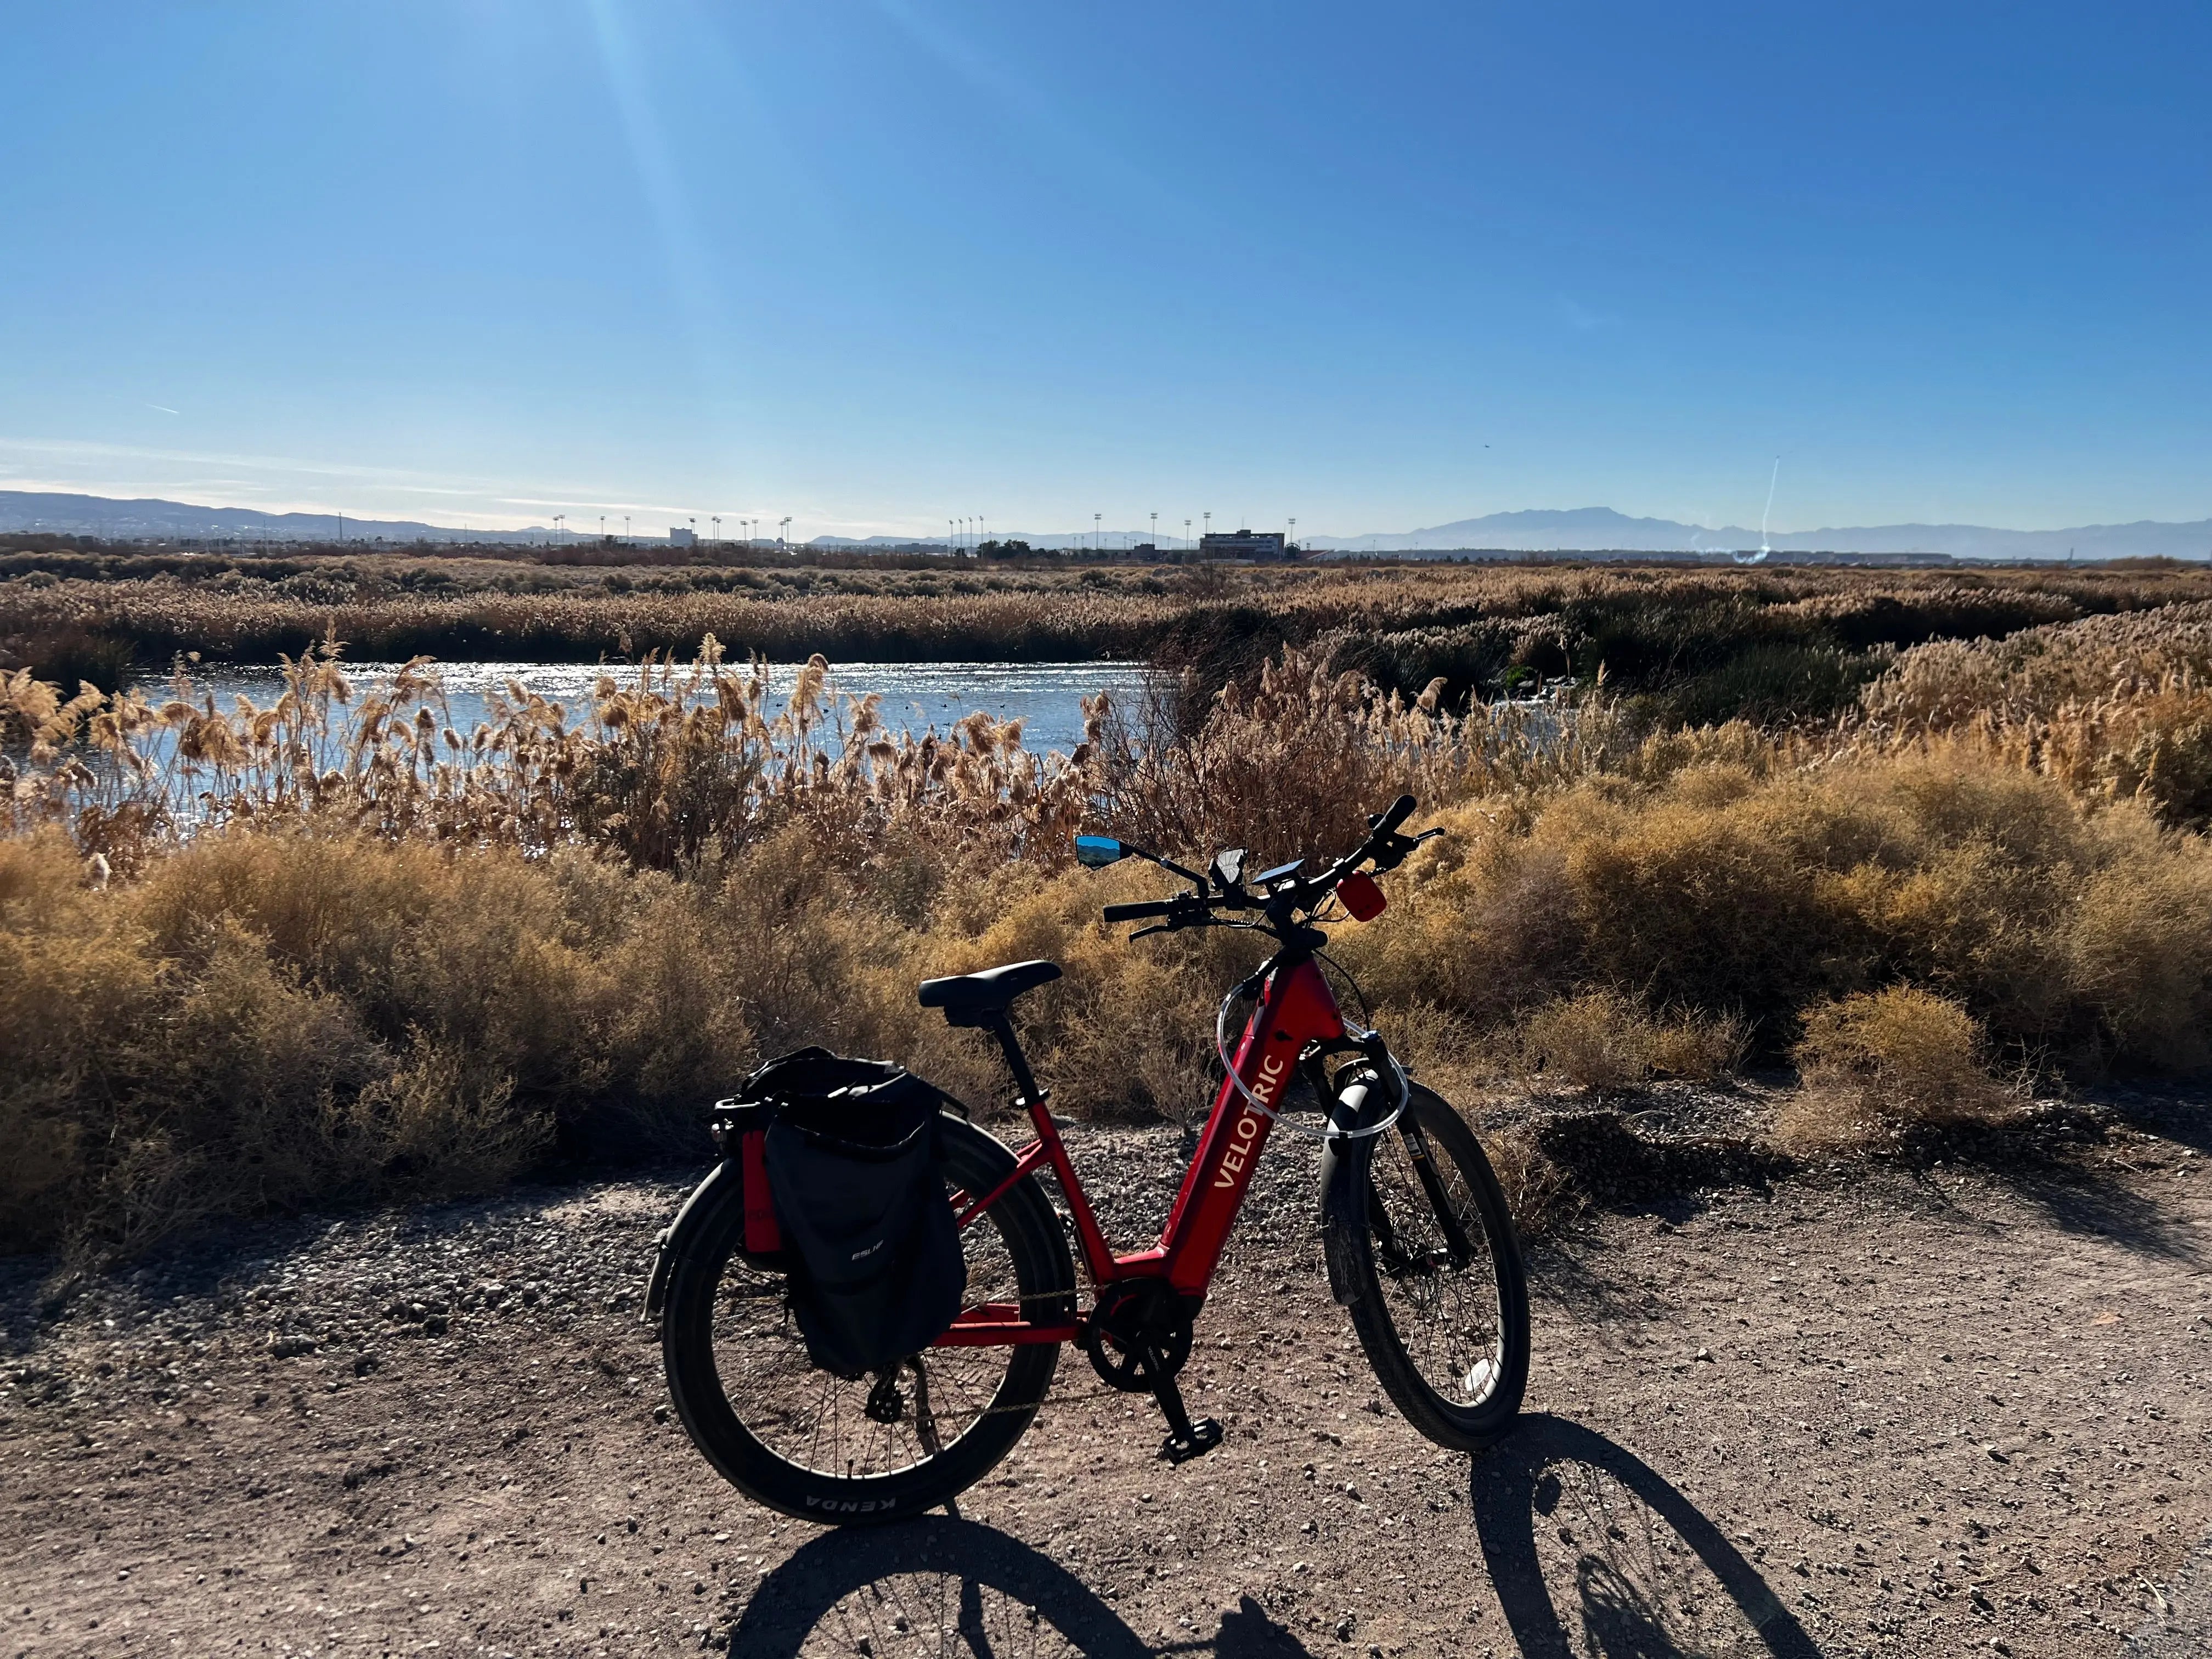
(814, 1445)
(1423, 1254)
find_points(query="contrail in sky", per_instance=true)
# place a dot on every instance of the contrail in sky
(164, 408)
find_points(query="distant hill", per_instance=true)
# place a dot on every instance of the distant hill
(1577, 530)
(147, 519)
(1591, 529)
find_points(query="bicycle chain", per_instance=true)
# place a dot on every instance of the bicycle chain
(1056, 1397)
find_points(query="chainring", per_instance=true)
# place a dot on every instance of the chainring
(1136, 1323)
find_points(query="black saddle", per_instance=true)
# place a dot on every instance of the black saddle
(982, 998)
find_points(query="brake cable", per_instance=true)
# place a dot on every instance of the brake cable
(1369, 1041)
(1366, 1014)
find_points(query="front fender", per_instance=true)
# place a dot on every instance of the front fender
(1344, 1197)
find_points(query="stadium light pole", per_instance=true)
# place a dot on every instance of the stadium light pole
(783, 539)
(1098, 534)
(1156, 532)
(717, 518)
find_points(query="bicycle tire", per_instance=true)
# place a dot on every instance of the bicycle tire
(1455, 1368)
(723, 1313)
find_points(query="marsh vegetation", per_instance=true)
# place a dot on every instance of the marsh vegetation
(380, 956)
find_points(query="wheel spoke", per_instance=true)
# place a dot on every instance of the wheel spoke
(1443, 1301)
(818, 1422)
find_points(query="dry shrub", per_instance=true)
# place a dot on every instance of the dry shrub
(1606, 1041)
(1442, 1049)
(1875, 1064)
(441, 1126)
(75, 982)
(1540, 1194)
(1710, 907)
(2074, 930)
(271, 1020)
(2138, 950)
(1700, 1048)
(1600, 1040)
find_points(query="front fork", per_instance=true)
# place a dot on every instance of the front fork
(1381, 1066)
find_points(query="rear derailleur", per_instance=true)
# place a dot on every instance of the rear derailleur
(1137, 1338)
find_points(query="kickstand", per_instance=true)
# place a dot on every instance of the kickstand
(1186, 1439)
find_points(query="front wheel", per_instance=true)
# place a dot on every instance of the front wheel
(1423, 1254)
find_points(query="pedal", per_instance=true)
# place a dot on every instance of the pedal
(1205, 1436)
(1186, 1439)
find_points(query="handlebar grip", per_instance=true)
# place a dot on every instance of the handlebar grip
(1400, 809)
(1136, 912)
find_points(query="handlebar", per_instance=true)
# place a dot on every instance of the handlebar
(1138, 912)
(1281, 903)
(1400, 810)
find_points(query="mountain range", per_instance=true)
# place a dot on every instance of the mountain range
(1578, 530)
(1600, 529)
(147, 519)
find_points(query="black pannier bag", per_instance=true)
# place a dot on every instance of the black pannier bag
(847, 1151)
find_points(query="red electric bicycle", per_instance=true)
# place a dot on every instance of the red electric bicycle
(1420, 1247)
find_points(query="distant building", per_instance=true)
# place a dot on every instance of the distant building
(1245, 544)
(679, 536)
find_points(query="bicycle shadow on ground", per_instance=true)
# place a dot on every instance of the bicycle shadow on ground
(939, 1586)
(1593, 1552)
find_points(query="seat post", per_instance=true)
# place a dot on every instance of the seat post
(1003, 1029)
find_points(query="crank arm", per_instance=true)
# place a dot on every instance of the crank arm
(1186, 1439)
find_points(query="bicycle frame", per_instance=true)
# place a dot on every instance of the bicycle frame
(1296, 1010)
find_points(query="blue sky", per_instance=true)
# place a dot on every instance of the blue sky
(873, 265)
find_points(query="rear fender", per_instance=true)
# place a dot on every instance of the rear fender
(680, 1236)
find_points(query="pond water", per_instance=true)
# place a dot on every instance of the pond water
(1045, 697)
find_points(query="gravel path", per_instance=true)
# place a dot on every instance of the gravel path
(1953, 1412)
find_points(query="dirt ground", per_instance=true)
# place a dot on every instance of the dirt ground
(1953, 1409)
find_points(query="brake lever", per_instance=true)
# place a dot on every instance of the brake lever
(1389, 857)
